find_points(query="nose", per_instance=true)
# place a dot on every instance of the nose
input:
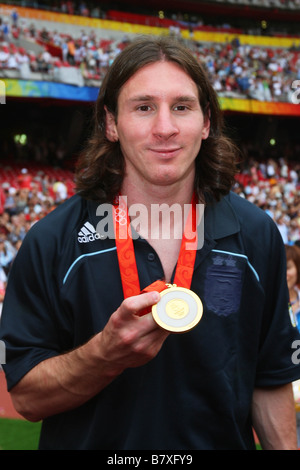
(164, 125)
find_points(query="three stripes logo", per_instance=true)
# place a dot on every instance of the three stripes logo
(88, 233)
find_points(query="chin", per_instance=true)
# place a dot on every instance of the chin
(166, 177)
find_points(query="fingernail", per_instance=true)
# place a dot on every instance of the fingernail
(155, 296)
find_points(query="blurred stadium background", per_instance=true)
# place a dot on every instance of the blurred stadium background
(53, 56)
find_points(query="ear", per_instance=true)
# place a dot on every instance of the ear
(206, 125)
(111, 128)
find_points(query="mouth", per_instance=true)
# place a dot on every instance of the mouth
(165, 152)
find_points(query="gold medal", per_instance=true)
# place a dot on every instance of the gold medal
(179, 309)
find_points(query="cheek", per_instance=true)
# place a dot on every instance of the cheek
(195, 138)
(197, 130)
(131, 134)
(292, 275)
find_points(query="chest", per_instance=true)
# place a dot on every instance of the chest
(167, 251)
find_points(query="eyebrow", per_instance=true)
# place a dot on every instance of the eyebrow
(185, 98)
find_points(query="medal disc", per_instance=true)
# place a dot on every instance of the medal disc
(179, 310)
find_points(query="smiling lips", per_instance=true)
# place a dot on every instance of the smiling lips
(166, 151)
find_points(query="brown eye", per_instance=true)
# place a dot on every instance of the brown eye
(144, 108)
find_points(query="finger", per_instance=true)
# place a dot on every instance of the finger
(151, 341)
(135, 304)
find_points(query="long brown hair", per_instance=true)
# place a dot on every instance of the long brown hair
(100, 168)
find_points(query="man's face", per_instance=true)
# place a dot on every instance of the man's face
(160, 125)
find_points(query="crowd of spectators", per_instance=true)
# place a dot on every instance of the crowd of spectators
(274, 186)
(86, 51)
(94, 10)
(261, 73)
(235, 70)
(285, 4)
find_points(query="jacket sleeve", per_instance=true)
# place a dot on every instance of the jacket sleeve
(31, 308)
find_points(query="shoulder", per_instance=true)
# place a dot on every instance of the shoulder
(55, 230)
(60, 220)
(245, 208)
(252, 218)
(51, 244)
(258, 230)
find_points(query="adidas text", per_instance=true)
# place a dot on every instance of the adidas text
(89, 238)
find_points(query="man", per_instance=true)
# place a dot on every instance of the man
(82, 355)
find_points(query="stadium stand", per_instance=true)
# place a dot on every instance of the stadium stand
(239, 65)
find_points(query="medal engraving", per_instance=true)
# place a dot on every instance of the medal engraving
(179, 310)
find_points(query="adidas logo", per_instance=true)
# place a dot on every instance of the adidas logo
(88, 233)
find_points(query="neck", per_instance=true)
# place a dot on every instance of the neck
(179, 194)
(161, 210)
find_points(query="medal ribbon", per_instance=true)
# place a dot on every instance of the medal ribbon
(126, 257)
